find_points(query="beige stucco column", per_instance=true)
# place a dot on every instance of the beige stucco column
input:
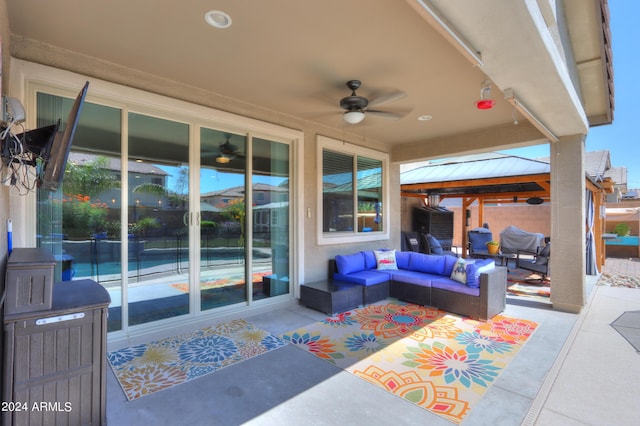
(568, 291)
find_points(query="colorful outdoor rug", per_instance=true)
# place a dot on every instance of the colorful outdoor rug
(525, 283)
(147, 368)
(439, 361)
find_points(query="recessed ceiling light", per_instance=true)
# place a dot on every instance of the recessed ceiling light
(217, 19)
(425, 118)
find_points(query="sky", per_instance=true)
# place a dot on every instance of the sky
(621, 138)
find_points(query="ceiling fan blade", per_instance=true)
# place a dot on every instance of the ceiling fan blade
(388, 98)
(385, 114)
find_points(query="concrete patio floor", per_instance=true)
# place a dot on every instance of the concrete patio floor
(575, 370)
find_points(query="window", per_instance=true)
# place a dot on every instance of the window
(352, 196)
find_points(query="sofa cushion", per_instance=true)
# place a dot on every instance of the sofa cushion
(385, 259)
(412, 277)
(454, 286)
(349, 263)
(429, 263)
(476, 268)
(369, 259)
(459, 272)
(402, 259)
(449, 262)
(365, 277)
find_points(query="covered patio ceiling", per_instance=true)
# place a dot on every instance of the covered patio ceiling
(287, 62)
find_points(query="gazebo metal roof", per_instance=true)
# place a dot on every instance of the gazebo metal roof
(495, 177)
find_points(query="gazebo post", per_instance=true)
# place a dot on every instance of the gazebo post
(466, 203)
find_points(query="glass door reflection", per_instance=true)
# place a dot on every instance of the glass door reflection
(158, 237)
(222, 219)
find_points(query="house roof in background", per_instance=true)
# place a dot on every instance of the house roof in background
(596, 164)
(81, 158)
(617, 174)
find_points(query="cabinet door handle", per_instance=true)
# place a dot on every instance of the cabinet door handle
(60, 318)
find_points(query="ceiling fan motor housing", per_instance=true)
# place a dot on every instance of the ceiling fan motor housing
(354, 102)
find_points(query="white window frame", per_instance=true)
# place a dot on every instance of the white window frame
(326, 238)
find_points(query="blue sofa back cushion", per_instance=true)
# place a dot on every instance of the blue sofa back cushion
(369, 259)
(350, 263)
(449, 263)
(429, 263)
(402, 259)
(475, 269)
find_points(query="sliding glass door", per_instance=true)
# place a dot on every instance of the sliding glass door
(222, 219)
(270, 212)
(158, 219)
(174, 219)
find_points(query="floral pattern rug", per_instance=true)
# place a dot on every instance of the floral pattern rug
(151, 367)
(442, 362)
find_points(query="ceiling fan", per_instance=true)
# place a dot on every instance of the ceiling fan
(358, 106)
(226, 151)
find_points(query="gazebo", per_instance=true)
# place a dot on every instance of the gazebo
(500, 178)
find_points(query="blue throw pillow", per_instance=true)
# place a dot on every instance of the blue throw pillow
(436, 247)
(475, 269)
(349, 263)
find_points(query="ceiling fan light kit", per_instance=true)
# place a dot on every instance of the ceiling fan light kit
(353, 117)
(222, 159)
(356, 106)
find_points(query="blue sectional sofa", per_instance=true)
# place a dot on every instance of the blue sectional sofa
(470, 287)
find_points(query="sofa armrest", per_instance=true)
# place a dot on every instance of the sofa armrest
(333, 268)
(493, 291)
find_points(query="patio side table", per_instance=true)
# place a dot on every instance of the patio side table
(331, 297)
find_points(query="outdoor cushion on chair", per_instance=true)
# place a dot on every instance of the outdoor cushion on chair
(478, 239)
